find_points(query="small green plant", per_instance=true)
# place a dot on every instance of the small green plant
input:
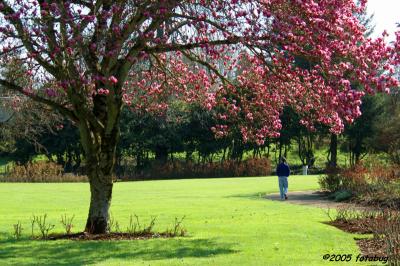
(33, 221)
(343, 195)
(43, 225)
(67, 223)
(134, 224)
(111, 223)
(149, 228)
(17, 230)
(136, 228)
(344, 214)
(328, 213)
(178, 229)
(116, 227)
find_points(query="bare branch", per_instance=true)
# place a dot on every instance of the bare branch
(27, 41)
(62, 109)
(182, 47)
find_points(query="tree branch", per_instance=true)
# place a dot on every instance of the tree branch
(26, 41)
(190, 46)
(62, 109)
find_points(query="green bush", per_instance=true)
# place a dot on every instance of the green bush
(342, 195)
(330, 182)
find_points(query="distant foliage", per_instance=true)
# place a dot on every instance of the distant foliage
(52, 172)
(40, 172)
(182, 169)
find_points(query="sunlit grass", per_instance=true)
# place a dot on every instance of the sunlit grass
(228, 222)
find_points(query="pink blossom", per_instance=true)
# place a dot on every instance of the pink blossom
(113, 80)
(247, 92)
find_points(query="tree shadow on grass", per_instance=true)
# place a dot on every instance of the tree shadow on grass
(307, 195)
(28, 252)
(253, 196)
(306, 198)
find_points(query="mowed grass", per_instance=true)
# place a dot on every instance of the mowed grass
(228, 222)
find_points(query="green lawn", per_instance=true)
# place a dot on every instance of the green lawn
(228, 221)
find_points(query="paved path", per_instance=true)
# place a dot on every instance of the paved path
(310, 198)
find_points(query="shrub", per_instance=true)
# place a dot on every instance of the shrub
(331, 181)
(136, 228)
(358, 178)
(354, 178)
(67, 223)
(40, 172)
(257, 167)
(43, 225)
(183, 169)
(377, 185)
(382, 223)
(387, 226)
(384, 173)
(177, 229)
(342, 195)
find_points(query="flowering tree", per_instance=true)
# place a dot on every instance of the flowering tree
(397, 48)
(87, 59)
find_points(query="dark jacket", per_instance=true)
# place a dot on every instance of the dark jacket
(282, 170)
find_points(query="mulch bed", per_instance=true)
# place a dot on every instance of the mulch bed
(359, 226)
(83, 236)
(368, 246)
(372, 246)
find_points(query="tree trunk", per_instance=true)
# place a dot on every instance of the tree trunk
(333, 150)
(100, 172)
(285, 151)
(357, 150)
(100, 156)
(161, 154)
(101, 191)
(280, 150)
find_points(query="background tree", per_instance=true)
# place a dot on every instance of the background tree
(386, 128)
(358, 134)
(366, 20)
(63, 143)
(20, 136)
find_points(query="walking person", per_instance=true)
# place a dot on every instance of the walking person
(283, 172)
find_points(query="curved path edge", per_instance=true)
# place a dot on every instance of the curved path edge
(310, 198)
